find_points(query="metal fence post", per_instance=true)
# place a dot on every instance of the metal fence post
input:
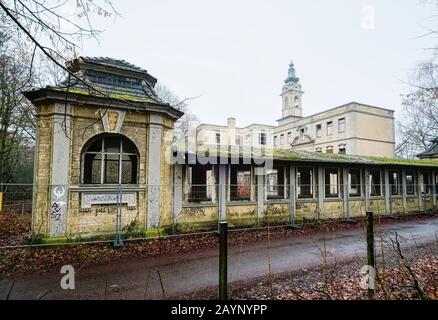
(118, 242)
(370, 247)
(293, 205)
(223, 263)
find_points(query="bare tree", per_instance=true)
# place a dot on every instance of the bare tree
(57, 28)
(419, 121)
(420, 118)
(17, 122)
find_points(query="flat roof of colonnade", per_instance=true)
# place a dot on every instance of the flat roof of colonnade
(300, 156)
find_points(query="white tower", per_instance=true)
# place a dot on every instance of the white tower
(292, 97)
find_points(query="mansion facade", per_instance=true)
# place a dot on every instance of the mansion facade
(353, 128)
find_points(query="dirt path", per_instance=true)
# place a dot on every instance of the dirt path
(190, 272)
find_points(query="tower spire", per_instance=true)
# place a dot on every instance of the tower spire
(291, 76)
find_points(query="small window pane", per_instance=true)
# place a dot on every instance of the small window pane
(329, 128)
(96, 146)
(112, 168)
(318, 131)
(92, 168)
(129, 169)
(128, 147)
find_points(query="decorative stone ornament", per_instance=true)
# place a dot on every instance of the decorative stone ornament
(112, 120)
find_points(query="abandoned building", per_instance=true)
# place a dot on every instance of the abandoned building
(343, 130)
(104, 154)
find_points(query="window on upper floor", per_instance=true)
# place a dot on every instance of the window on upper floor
(297, 102)
(302, 132)
(289, 137)
(318, 131)
(318, 149)
(341, 125)
(329, 149)
(281, 139)
(275, 141)
(263, 139)
(218, 138)
(238, 140)
(329, 128)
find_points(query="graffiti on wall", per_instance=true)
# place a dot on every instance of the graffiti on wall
(58, 211)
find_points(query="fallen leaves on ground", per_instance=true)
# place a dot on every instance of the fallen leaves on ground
(15, 230)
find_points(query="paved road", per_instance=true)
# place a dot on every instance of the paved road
(190, 272)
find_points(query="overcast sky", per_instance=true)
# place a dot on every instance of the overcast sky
(236, 53)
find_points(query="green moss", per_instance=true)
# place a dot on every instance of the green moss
(113, 96)
(304, 156)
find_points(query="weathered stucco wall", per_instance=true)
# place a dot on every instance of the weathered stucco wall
(42, 179)
(85, 124)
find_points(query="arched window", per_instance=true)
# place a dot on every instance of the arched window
(110, 159)
(297, 102)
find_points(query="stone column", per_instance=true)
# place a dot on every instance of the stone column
(293, 194)
(154, 166)
(346, 193)
(177, 192)
(387, 192)
(404, 191)
(59, 169)
(321, 189)
(222, 192)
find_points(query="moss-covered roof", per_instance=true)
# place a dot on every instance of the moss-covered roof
(305, 156)
(112, 95)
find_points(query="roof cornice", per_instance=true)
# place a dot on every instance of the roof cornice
(40, 96)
